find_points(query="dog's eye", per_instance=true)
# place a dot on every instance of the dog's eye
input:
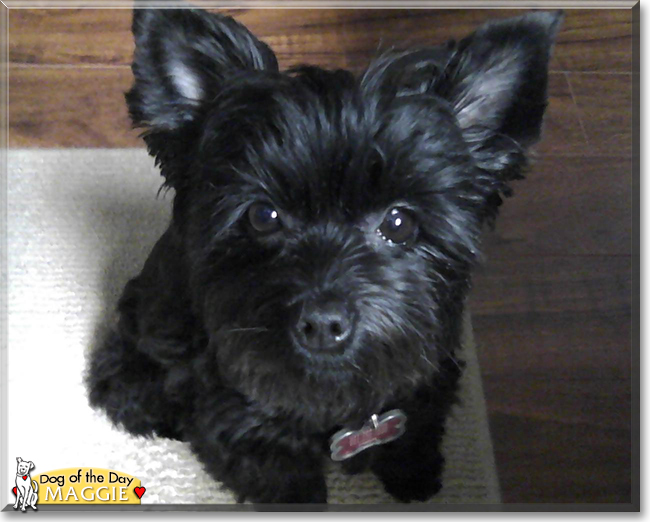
(264, 218)
(398, 226)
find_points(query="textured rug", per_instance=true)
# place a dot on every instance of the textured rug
(80, 224)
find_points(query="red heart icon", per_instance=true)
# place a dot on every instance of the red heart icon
(15, 490)
(140, 491)
(24, 477)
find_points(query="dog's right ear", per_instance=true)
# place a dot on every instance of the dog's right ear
(19, 460)
(182, 59)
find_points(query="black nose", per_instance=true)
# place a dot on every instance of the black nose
(324, 326)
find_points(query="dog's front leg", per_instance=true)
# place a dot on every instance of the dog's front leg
(24, 503)
(17, 497)
(260, 458)
(411, 467)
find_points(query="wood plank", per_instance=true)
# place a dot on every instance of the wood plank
(327, 37)
(567, 206)
(70, 36)
(567, 367)
(595, 41)
(605, 106)
(554, 462)
(586, 35)
(69, 108)
(554, 342)
(562, 133)
(563, 284)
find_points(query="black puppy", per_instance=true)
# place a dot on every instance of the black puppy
(307, 296)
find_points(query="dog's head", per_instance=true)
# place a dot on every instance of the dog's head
(23, 466)
(329, 221)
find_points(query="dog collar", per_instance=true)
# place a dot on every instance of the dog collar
(378, 430)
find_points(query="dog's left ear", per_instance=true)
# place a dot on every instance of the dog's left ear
(31, 465)
(495, 82)
(496, 79)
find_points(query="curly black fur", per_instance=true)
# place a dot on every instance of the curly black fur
(205, 349)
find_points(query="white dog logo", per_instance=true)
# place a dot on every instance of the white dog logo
(26, 488)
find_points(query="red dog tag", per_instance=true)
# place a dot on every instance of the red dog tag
(382, 429)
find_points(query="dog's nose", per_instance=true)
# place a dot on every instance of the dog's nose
(324, 326)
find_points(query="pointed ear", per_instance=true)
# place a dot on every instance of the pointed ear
(31, 465)
(182, 58)
(19, 459)
(494, 80)
(497, 78)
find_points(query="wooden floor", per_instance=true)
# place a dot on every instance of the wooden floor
(552, 305)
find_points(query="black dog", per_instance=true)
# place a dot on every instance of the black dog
(324, 227)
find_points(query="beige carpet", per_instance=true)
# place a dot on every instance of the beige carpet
(80, 224)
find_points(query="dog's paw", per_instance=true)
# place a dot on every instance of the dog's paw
(413, 488)
(409, 479)
(307, 491)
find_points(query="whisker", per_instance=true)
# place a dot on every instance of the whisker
(249, 329)
(360, 371)
(452, 358)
